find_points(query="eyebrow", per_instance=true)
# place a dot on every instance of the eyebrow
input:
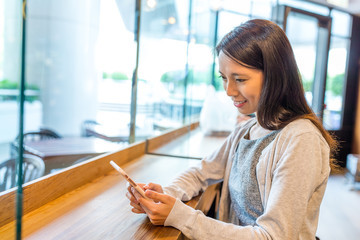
(236, 74)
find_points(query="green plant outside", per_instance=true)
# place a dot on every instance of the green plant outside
(336, 84)
(7, 84)
(115, 75)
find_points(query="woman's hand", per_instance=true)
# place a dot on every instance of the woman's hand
(157, 209)
(133, 195)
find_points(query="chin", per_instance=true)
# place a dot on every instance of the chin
(245, 112)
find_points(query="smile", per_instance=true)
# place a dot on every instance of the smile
(240, 104)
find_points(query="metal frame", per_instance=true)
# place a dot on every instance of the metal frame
(134, 82)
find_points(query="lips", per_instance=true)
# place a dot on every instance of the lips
(239, 104)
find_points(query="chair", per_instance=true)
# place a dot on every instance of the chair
(42, 134)
(33, 167)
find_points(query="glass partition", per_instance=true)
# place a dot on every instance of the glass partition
(10, 74)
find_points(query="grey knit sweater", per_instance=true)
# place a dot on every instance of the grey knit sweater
(292, 174)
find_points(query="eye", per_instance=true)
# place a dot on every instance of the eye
(222, 77)
(240, 80)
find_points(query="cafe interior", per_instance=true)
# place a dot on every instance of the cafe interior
(86, 82)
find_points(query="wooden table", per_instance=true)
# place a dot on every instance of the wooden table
(63, 152)
(100, 210)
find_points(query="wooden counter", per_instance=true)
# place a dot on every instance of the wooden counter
(100, 210)
(87, 201)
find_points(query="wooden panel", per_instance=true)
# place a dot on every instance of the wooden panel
(100, 210)
(50, 187)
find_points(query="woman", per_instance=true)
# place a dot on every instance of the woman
(274, 168)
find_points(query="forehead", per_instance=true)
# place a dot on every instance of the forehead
(228, 65)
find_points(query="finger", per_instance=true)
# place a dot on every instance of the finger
(131, 197)
(153, 186)
(135, 210)
(157, 197)
(137, 206)
(129, 189)
(135, 193)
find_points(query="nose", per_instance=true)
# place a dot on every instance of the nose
(230, 88)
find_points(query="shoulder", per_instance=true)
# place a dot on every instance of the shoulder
(301, 129)
(300, 126)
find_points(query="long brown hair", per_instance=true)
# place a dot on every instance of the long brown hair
(263, 45)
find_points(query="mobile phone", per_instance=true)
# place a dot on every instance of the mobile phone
(126, 176)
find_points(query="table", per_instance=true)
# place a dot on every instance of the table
(63, 152)
(100, 210)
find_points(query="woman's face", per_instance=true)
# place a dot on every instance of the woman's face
(241, 83)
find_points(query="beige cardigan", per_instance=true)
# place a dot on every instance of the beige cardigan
(292, 174)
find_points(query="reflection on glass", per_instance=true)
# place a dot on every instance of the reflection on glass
(335, 83)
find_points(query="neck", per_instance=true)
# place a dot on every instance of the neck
(257, 131)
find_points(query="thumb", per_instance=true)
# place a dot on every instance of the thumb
(157, 197)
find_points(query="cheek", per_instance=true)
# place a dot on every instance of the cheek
(224, 85)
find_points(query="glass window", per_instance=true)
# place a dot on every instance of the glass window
(335, 82)
(200, 58)
(307, 6)
(10, 63)
(229, 20)
(242, 7)
(162, 67)
(262, 9)
(341, 23)
(302, 33)
(114, 60)
(78, 79)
